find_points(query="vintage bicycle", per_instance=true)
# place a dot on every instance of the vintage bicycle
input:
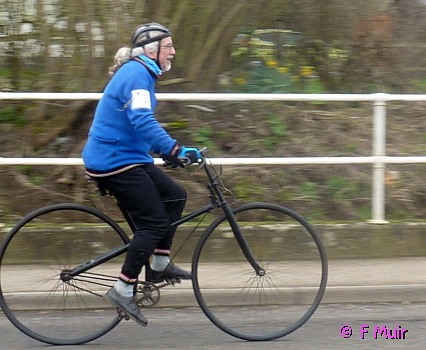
(58, 261)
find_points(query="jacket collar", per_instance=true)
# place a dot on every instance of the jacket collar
(150, 64)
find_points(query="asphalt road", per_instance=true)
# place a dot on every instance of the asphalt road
(189, 329)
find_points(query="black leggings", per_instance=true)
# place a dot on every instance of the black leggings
(152, 200)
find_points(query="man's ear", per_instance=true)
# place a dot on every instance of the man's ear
(151, 55)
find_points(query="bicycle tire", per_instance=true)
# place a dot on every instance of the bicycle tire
(230, 294)
(33, 255)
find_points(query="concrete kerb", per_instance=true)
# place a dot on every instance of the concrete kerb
(333, 295)
(184, 297)
(400, 280)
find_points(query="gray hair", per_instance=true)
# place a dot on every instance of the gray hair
(126, 53)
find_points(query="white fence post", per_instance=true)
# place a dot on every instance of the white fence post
(379, 152)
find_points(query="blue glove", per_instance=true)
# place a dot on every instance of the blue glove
(188, 155)
(181, 156)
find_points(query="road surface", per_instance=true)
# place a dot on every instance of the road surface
(348, 326)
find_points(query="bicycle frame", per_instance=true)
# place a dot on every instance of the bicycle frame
(217, 200)
(282, 240)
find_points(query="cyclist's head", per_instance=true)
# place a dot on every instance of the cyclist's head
(154, 41)
(149, 33)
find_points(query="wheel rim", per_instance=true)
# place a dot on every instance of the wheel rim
(43, 301)
(287, 249)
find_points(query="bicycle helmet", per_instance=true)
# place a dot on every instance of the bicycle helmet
(148, 33)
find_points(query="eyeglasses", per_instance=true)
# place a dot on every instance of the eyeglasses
(168, 47)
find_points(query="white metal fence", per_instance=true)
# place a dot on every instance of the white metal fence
(378, 158)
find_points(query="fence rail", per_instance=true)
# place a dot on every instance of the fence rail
(378, 158)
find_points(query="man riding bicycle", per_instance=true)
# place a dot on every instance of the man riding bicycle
(118, 156)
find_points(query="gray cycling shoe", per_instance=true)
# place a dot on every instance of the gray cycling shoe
(126, 304)
(170, 273)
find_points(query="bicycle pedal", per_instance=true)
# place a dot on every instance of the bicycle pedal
(123, 314)
(172, 281)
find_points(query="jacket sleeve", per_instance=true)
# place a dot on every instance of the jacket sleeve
(140, 91)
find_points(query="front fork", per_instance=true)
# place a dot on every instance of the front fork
(229, 213)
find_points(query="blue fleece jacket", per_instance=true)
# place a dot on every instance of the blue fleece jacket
(124, 130)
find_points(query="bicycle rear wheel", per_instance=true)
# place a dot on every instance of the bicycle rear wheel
(245, 305)
(37, 252)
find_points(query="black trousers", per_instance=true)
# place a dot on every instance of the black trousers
(153, 200)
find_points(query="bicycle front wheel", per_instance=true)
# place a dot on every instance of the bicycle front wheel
(246, 305)
(34, 258)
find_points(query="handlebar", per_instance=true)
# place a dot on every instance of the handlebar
(186, 161)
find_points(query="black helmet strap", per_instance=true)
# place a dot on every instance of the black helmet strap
(151, 40)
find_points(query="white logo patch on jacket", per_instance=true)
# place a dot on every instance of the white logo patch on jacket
(141, 99)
